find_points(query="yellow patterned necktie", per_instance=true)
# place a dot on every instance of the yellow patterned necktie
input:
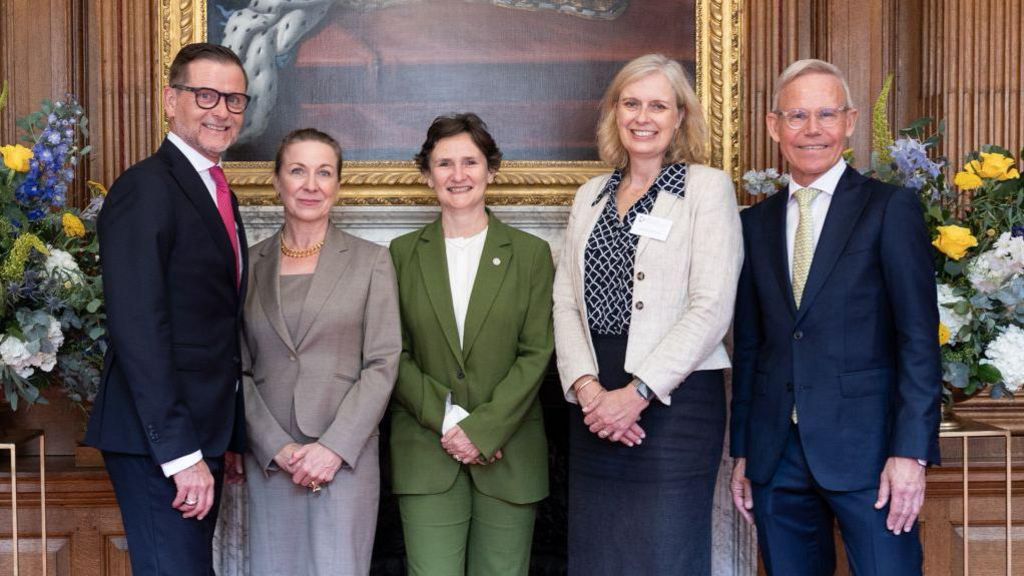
(803, 245)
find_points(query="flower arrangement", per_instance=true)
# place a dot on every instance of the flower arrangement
(51, 297)
(977, 232)
(977, 227)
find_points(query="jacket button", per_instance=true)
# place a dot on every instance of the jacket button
(639, 305)
(639, 275)
(460, 374)
(798, 335)
(236, 359)
(291, 357)
(789, 386)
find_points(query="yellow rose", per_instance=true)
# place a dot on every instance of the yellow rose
(1010, 174)
(967, 180)
(73, 227)
(953, 241)
(16, 157)
(944, 334)
(994, 165)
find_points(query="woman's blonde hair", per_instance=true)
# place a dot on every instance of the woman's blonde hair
(688, 144)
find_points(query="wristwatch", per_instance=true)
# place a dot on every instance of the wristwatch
(642, 389)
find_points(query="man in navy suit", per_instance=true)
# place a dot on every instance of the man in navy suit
(837, 377)
(174, 270)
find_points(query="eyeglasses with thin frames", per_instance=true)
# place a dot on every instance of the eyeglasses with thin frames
(797, 118)
(208, 98)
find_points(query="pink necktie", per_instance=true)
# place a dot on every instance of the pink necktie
(227, 214)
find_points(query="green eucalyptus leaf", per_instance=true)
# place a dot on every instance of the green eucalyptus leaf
(989, 374)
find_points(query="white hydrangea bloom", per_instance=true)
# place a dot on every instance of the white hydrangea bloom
(15, 354)
(63, 264)
(1005, 353)
(18, 355)
(46, 358)
(990, 270)
(947, 315)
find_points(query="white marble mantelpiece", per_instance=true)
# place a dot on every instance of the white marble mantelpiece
(383, 223)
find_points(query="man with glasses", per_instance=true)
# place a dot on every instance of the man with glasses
(836, 378)
(173, 249)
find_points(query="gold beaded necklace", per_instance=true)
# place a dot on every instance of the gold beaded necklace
(304, 253)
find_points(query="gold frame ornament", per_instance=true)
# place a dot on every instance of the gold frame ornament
(519, 183)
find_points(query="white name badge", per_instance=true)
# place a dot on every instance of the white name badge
(651, 227)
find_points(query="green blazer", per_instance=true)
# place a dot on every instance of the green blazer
(495, 376)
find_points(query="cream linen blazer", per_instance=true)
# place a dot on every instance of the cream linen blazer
(684, 288)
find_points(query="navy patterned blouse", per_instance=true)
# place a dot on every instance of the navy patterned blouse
(611, 252)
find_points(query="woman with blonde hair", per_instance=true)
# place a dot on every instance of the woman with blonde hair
(643, 298)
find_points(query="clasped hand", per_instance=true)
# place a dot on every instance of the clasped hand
(614, 415)
(309, 464)
(459, 446)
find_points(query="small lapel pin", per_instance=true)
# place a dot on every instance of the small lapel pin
(496, 261)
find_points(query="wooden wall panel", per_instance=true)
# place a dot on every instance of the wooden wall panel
(123, 64)
(972, 74)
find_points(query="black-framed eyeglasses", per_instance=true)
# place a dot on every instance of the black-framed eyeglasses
(797, 118)
(207, 98)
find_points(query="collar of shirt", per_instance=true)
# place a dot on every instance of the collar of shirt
(201, 163)
(827, 182)
(671, 179)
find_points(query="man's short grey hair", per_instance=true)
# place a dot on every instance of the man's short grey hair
(805, 67)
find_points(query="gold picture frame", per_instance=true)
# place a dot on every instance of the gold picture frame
(718, 30)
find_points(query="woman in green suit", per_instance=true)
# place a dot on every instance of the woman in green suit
(468, 451)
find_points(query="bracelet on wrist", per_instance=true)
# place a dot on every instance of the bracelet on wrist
(586, 383)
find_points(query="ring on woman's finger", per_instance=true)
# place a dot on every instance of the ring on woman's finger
(603, 433)
(191, 501)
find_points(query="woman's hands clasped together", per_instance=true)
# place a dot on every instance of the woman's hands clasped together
(460, 447)
(311, 465)
(612, 415)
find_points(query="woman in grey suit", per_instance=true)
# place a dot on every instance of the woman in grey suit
(321, 345)
(643, 297)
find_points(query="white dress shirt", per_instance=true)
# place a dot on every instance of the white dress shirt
(463, 256)
(827, 183)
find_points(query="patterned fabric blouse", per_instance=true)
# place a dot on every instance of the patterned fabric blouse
(611, 252)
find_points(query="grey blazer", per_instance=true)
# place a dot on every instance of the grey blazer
(344, 360)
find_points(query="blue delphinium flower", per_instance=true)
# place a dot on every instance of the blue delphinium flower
(45, 187)
(913, 166)
(1017, 231)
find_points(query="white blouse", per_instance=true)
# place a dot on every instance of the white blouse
(463, 255)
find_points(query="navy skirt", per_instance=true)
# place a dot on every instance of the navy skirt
(646, 510)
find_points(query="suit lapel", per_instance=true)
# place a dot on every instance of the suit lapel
(665, 205)
(847, 204)
(776, 243)
(334, 259)
(195, 189)
(592, 216)
(494, 262)
(434, 268)
(267, 283)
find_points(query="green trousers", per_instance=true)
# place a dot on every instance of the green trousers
(462, 532)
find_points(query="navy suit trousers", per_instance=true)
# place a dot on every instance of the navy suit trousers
(160, 541)
(795, 518)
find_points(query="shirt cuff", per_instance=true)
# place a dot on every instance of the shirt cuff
(453, 414)
(178, 464)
